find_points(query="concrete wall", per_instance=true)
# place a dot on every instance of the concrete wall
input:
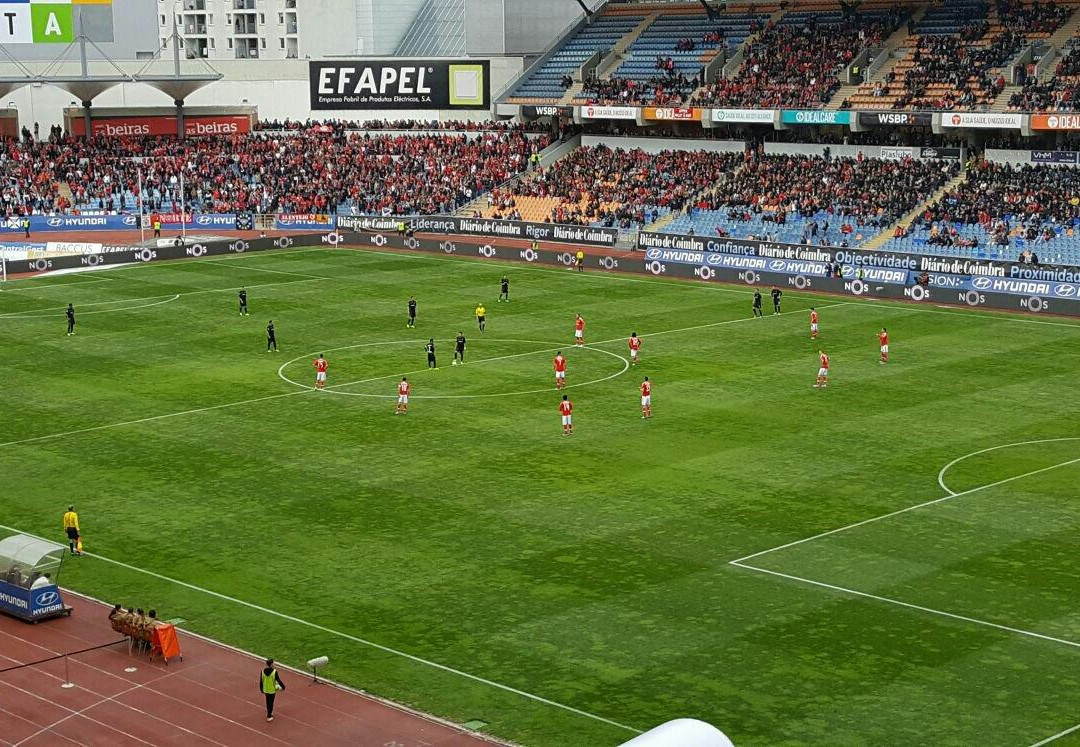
(485, 27)
(530, 26)
(279, 88)
(330, 28)
(657, 144)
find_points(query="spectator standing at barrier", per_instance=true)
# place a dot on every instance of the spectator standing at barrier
(269, 684)
(26, 226)
(71, 529)
(155, 221)
(70, 314)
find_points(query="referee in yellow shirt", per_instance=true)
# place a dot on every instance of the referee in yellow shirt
(71, 528)
(480, 311)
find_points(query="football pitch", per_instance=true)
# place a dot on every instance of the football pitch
(892, 560)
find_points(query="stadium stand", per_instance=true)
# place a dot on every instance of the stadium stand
(1002, 211)
(957, 54)
(316, 170)
(797, 62)
(1061, 93)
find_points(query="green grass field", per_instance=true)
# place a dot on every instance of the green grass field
(567, 591)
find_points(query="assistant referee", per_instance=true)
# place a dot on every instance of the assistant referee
(71, 528)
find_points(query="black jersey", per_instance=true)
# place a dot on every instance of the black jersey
(757, 300)
(776, 293)
(270, 331)
(429, 348)
(412, 308)
(460, 342)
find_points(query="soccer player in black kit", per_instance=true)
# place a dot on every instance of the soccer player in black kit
(412, 312)
(776, 293)
(459, 348)
(430, 350)
(271, 340)
(757, 303)
(243, 302)
(504, 289)
(70, 314)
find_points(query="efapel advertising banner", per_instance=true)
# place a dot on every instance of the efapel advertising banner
(303, 221)
(744, 116)
(589, 111)
(672, 114)
(1054, 156)
(1055, 121)
(895, 119)
(194, 126)
(986, 286)
(399, 84)
(982, 120)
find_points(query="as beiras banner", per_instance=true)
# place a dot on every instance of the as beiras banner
(399, 84)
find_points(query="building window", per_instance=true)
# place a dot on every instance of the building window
(281, 42)
(228, 19)
(262, 19)
(163, 20)
(210, 19)
(230, 43)
(212, 45)
(280, 18)
(262, 43)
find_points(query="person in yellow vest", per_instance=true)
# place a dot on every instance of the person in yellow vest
(480, 315)
(71, 528)
(579, 260)
(269, 684)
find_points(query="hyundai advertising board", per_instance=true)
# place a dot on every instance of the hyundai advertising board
(399, 84)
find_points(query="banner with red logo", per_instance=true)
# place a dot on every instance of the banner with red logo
(982, 120)
(672, 113)
(195, 126)
(1055, 121)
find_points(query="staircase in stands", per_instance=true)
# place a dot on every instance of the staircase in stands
(619, 50)
(882, 238)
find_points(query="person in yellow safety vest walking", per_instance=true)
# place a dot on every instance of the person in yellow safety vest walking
(579, 260)
(71, 528)
(269, 684)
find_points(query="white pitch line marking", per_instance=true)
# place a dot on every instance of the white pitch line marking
(1055, 737)
(264, 269)
(349, 637)
(26, 315)
(909, 605)
(950, 465)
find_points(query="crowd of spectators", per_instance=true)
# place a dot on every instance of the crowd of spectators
(1005, 200)
(621, 188)
(667, 89)
(970, 71)
(1060, 94)
(859, 192)
(1031, 17)
(797, 66)
(313, 170)
(343, 125)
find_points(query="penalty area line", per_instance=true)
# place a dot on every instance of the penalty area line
(1055, 737)
(349, 637)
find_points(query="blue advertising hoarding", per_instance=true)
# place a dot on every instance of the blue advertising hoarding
(31, 604)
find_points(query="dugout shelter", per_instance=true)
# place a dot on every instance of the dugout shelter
(29, 570)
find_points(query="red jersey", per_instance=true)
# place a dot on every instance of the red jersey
(813, 317)
(635, 343)
(404, 388)
(646, 388)
(825, 361)
(566, 407)
(321, 364)
(884, 337)
(579, 323)
(560, 363)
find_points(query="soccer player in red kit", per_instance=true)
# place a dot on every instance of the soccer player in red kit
(403, 389)
(579, 330)
(320, 371)
(560, 370)
(883, 338)
(566, 407)
(646, 398)
(823, 371)
(813, 323)
(635, 345)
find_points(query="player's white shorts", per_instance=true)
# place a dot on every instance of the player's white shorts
(566, 419)
(403, 399)
(885, 349)
(813, 328)
(578, 334)
(633, 354)
(320, 376)
(560, 375)
(823, 372)
(646, 401)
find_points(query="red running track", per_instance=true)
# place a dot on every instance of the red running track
(209, 698)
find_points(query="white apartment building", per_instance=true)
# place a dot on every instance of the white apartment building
(235, 29)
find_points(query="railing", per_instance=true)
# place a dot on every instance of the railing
(65, 656)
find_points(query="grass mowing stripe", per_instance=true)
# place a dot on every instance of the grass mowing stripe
(864, 522)
(348, 636)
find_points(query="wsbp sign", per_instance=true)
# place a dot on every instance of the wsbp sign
(399, 84)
